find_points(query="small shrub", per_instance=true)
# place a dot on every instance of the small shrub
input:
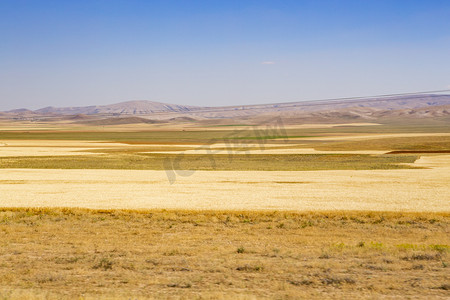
(357, 220)
(178, 285)
(376, 268)
(172, 252)
(379, 221)
(422, 256)
(48, 278)
(249, 268)
(307, 224)
(105, 264)
(388, 261)
(337, 280)
(240, 250)
(301, 282)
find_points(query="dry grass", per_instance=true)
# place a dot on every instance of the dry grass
(210, 162)
(425, 143)
(70, 253)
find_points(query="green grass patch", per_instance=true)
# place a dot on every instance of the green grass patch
(260, 162)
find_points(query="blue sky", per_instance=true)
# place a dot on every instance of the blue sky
(76, 53)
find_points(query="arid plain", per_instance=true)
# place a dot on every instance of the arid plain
(233, 210)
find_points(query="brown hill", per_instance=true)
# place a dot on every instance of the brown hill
(386, 109)
(182, 119)
(119, 121)
(79, 117)
(127, 108)
(358, 114)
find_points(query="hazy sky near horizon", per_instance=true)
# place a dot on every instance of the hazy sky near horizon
(78, 53)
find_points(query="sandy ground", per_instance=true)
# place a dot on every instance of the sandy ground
(393, 190)
(50, 148)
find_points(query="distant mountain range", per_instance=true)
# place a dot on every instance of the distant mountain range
(128, 108)
(412, 106)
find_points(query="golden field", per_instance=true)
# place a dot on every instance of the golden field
(326, 212)
(379, 190)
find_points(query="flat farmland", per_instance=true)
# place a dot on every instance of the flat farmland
(293, 174)
(325, 211)
(380, 190)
